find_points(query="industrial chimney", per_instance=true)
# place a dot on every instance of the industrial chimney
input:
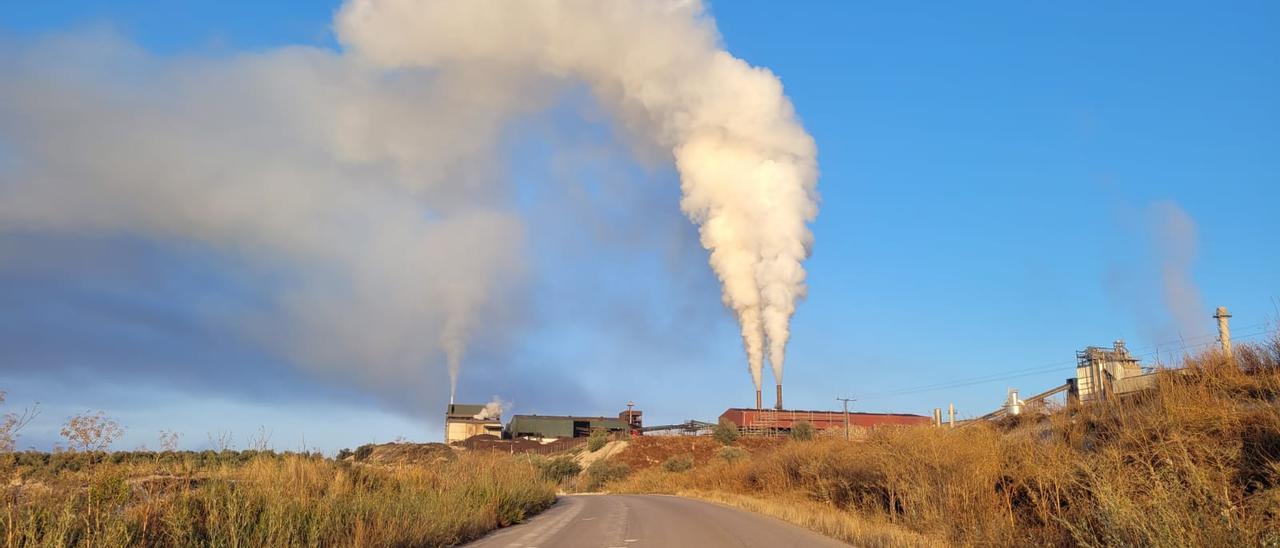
(759, 400)
(1224, 330)
(779, 405)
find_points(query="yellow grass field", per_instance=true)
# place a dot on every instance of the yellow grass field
(264, 500)
(1194, 463)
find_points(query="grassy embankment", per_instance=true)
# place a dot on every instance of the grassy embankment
(260, 499)
(1194, 463)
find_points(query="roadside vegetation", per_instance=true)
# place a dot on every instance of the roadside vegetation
(1195, 462)
(261, 498)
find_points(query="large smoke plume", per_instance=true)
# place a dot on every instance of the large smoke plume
(362, 185)
(748, 169)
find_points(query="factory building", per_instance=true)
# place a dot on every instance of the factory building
(550, 427)
(1102, 372)
(767, 421)
(462, 421)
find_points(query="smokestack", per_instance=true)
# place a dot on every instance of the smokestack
(937, 416)
(1224, 330)
(779, 405)
(951, 415)
(759, 400)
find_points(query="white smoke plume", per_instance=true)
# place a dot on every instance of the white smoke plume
(748, 169)
(1177, 244)
(492, 410)
(361, 186)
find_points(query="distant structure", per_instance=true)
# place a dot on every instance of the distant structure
(553, 427)
(766, 422)
(462, 421)
(1105, 372)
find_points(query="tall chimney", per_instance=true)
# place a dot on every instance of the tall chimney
(1224, 330)
(937, 416)
(951, 414)
(779, 405)
(759, 401)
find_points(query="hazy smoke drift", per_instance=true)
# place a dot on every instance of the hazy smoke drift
(748, 169)
(358, 194)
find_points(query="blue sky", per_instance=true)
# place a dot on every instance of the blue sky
(999, 184)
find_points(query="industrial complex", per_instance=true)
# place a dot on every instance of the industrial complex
(1101, 374)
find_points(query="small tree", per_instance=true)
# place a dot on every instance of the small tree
(169, 440)
(726, 432)
(802, 431)
(13, 423)
(91, 432)
(597, 440)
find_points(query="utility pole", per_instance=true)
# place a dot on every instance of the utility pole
(846, 415)
(631, 421)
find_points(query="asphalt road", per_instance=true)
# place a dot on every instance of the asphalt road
(627, 521)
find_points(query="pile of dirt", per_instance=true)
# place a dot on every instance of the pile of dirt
(648, 451)
(400, 454)
(610, 450)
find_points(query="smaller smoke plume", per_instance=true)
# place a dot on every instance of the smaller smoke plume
(1177, 244)
(492, 410)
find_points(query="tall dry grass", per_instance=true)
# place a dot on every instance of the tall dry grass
(268, 501)
(1195, 462)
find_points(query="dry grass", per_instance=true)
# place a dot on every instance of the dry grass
(272, 501)
(1194, 463)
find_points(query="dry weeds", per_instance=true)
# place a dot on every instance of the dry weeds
(1194, 463)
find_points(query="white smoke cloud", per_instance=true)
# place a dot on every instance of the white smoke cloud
(492, 410)
(748, 169)
(363, 184)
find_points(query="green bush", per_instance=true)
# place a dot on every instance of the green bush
(732, 454)
(602, 472)
(597, 440)
(678, 463)
(802, 431)
(558, 469)
(726, 432)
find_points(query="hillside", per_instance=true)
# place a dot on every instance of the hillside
(1194, 462)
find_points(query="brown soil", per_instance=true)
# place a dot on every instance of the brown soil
(647, 451)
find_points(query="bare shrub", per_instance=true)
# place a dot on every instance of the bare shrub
(11, 424)
(91, 432)
(169, 440)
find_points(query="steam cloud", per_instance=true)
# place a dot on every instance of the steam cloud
(748, 169)
(365, 179)
(491, 410)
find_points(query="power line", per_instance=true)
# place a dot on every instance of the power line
(1019, 373)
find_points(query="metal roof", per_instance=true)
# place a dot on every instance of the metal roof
(463, 410)
(558, 426)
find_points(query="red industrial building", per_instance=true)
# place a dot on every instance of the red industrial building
(761, 420)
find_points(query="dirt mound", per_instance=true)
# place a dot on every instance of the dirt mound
(399, 454)
(647, 451)
(586, 458)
